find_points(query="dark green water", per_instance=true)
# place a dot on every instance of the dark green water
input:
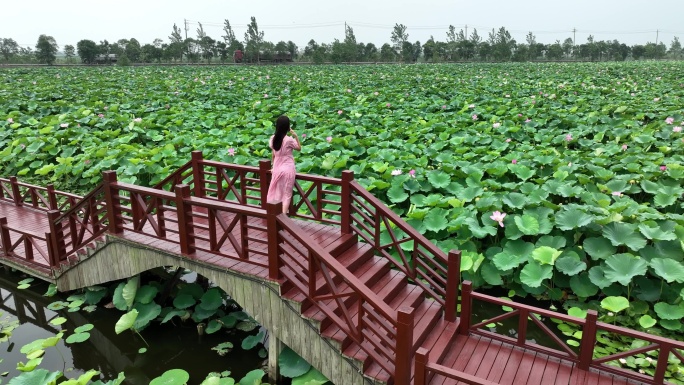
(171, 346)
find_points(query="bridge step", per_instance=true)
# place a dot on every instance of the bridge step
(340, 245)
(438, 344)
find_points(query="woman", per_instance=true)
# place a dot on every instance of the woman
(283, 172)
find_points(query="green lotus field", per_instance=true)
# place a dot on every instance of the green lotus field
(561, 181)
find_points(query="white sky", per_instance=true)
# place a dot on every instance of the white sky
(68, 21)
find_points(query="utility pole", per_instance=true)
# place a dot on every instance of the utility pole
(185, 21)
(657, 36)
(466, 35)
(574, 30)
(345, 28)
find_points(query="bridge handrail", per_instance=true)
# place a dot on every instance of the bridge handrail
(590, 328)
(388, 334)
(78, 226)
(28, 238)
(201, 223)
(39, 197)
(437, 273)
(353, 208)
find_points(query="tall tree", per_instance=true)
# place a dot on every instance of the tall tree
(87, 51)
(175, 48)
(69, 52)
(350, 52)
(8, 48)
(292, 49)
(253, 39)
(46, 49)
(399, 36)
(676, 48)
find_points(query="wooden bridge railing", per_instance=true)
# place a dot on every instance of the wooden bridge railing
(193, 223)
(37, 197)
(78, 226)
(336, 201)
(32, 242)
(585, 359)
(384, 334)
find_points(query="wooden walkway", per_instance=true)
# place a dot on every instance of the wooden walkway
(388, 306)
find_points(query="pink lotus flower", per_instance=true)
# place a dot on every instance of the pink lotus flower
(568, 137)
(231, 151)
(498, 216)
(475, 117)
(339, 112)
(514, 161)
(520, 115)
(624, 147)
(632, 94)
(656, 99)
(329, 139)
(303, 136)
(663, 168)
(669, 120)
(348, 90)
(137, 120)
(106, 108)
(444, 107)
(396, 172)
(87, 162)
(64, 125)
(496, 125)
(528, 120)
(268, 77)
(412, 173)
(508, 140)
(616, 194)
(677, 129)
(375, 93)
(100, 115)
(10, 120)
(388, 105)
(265, 95)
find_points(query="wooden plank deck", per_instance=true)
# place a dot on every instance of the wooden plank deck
(510, 365)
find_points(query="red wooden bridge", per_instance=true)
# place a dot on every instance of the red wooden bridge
(392, 307)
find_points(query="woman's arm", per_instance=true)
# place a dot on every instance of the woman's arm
(296, 138)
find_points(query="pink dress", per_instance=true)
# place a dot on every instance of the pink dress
(283, 173)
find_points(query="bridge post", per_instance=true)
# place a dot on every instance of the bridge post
(56, 240)
(422, 358)
(404, 348)
(453, 280)
(5, 240)
(264, 180)
(273, 209)
(345, 220)
(275, 347)
(186, 231)
(466, 305)
(16, 194)
(52, 197)
(586, 353)
(113, 208)
(198, 174)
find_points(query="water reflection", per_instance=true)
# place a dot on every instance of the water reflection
(171, 346)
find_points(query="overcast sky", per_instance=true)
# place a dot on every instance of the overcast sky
(68, 21)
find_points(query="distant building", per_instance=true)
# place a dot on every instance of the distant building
(105, 59)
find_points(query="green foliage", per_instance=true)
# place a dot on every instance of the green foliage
(291, 364)
(252, 378)
(172, 377)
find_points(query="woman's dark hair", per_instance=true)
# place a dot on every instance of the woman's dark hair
(282, 128)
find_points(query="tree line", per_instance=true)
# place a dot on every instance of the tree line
(458, 46)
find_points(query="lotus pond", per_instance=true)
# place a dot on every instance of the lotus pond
(558, 181)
